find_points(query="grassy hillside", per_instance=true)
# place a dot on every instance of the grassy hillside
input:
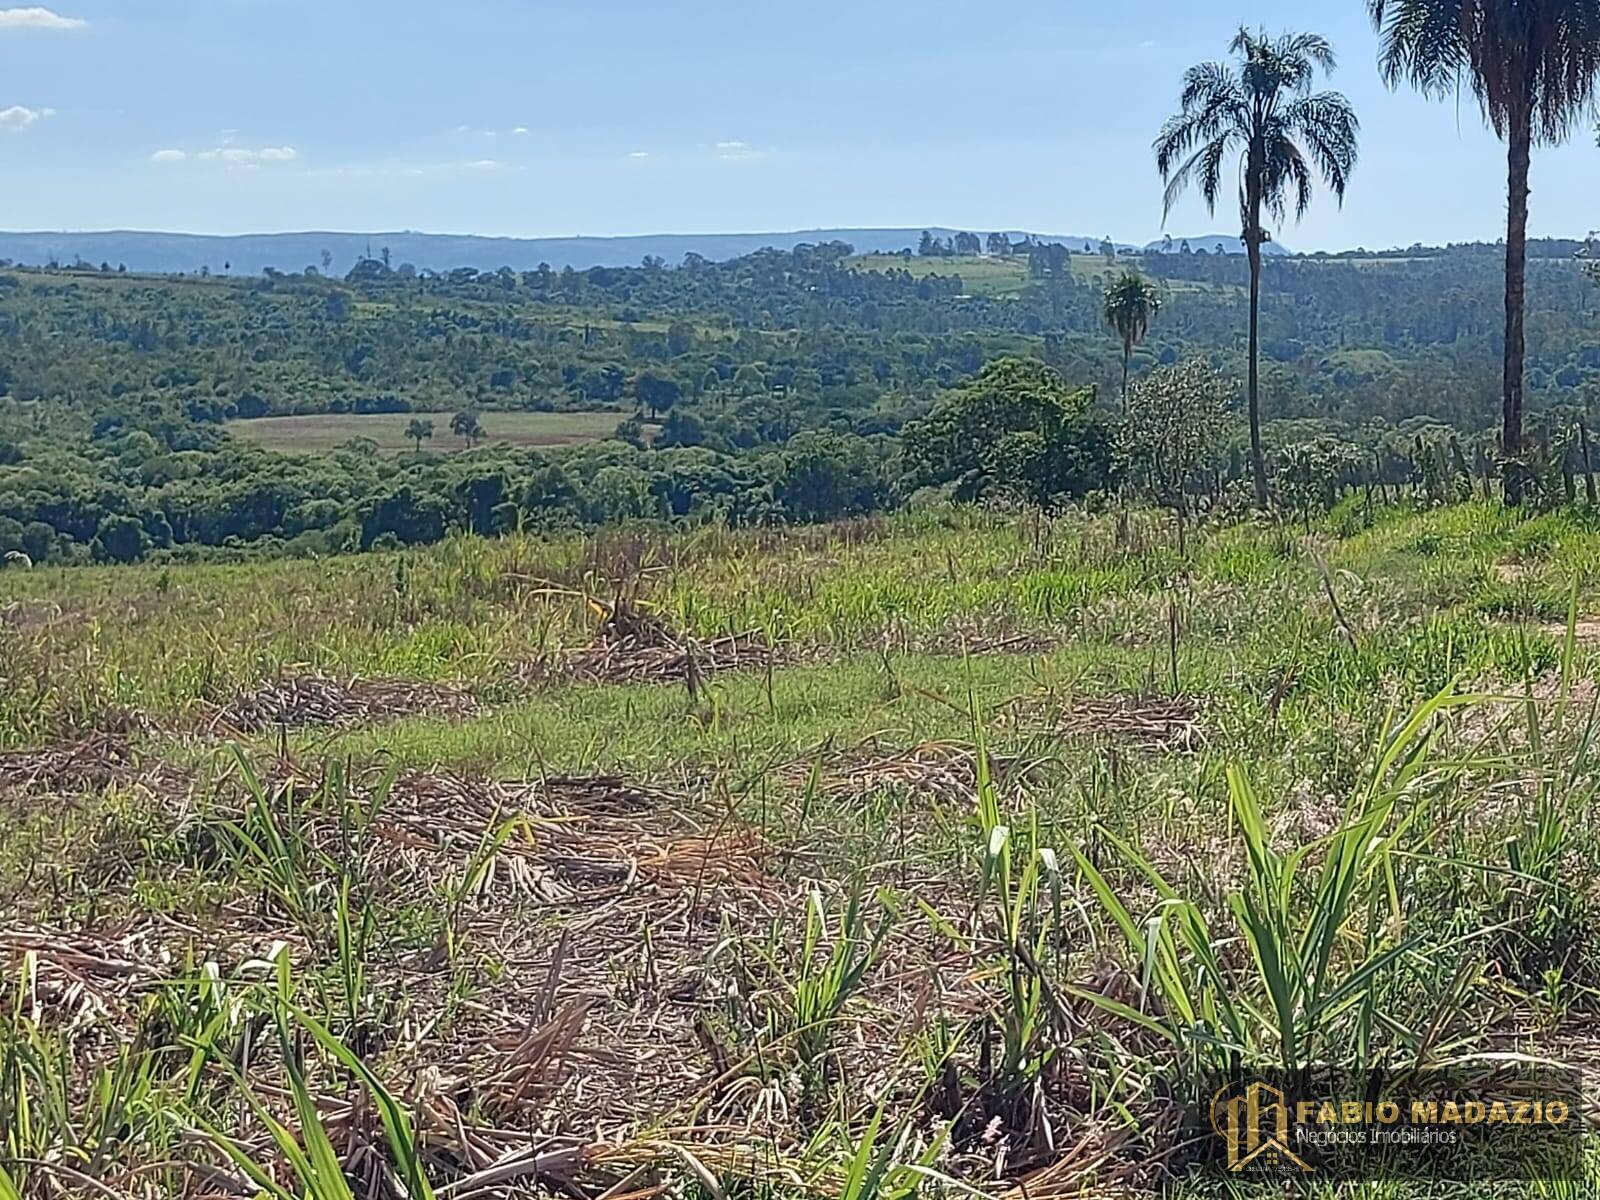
(709, 862)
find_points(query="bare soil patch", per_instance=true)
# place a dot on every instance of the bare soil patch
(1586, 630)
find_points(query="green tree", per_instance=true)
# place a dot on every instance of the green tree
(466, 426)
(419, 431)
(1177, 417)
(1014, 430)
(748, 380)
(1263, 109)
(1132, 302)
(656, 392)
(1532, 65)
(120, 539)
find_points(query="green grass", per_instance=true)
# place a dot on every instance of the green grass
(319, 432)
(999, 278)
(890, 908)
(980, 276)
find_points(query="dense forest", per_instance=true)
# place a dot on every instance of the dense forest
(774, 387)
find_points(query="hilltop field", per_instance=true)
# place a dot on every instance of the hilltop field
(951, 852)
(317, 432)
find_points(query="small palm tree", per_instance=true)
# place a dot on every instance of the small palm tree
(1132, 302)
(1532, 65)
(1263, 110)
(419, 431)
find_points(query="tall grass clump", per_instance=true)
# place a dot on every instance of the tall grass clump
(1324, 927)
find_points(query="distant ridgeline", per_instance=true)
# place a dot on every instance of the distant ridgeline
(253, 254)
(772, 386)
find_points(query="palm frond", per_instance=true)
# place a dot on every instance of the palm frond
(1204, 166)
(1524, 60)
(1264, 101)
(1211, 103)
(1328, 128)
(1290, 169)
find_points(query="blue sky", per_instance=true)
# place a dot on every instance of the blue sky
(603, 117)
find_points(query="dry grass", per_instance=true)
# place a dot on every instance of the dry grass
(1161, 721)
(93, 764)
(305, 700)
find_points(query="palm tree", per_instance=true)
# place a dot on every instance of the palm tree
(1264, 110)
(1132, 302)
(1532, 65)
(419, 431)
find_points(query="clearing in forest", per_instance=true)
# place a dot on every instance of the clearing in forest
(316, 432)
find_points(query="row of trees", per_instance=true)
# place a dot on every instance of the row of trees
(1018, 432)
(1532, 65)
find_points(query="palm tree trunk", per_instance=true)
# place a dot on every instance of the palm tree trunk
(1588, 467)
(1519, 143)
(1127, 353)
(1252, 238)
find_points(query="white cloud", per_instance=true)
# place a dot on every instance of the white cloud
(38, 18)
(640, 154)
(18, 117)
(520, 131)
(239, 156)
(486, 164)
(232, 156)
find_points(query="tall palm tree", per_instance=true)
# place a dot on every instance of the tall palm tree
(1532, 65)
(1263, 109)
(1132, 302)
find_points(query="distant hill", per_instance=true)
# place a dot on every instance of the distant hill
(1211, 243)
(250, 254)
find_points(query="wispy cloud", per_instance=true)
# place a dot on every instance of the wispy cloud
(232, 156)
(38, 18)
(735, 151)
(240, 156)
(476, 131)
(638, 154)
(19, 117)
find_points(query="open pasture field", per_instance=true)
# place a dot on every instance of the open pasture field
(981, 276)
(318, 432)
(951, 854)
(996, 278)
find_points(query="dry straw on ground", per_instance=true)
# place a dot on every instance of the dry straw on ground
(299, 701)
(89, 765)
